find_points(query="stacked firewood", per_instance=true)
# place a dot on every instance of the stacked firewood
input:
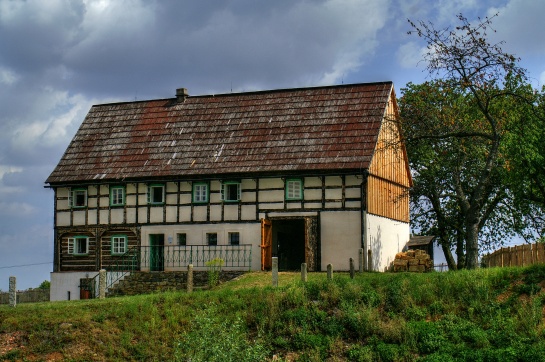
(413, 261)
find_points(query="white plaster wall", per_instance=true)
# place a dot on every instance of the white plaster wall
(156, 214)
(340, 238)
(385, 238)
(63, 218)
(79, 217)
(64, 282)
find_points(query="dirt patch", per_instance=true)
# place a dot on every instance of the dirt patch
(11, 342)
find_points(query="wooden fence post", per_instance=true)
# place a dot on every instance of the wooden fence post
(12, 291)
(190, 278)
(102, 284)
(361, 260)
(304, 272)
(329, 271)
(275, 271)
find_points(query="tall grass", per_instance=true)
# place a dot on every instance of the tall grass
(481, 315)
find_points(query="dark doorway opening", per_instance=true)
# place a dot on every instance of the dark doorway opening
(157, 250)
(289, 243)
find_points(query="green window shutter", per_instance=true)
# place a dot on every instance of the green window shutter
(230, 191)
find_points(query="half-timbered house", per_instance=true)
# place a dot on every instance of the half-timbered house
(308, 175)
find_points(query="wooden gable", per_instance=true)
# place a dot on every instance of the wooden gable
(389, 175)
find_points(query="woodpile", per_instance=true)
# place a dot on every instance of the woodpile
(413, 261)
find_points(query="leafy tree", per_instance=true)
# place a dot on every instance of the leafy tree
(454, 127)
(524, 148)
(46, 284)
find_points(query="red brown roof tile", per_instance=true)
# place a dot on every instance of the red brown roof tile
(306, 130)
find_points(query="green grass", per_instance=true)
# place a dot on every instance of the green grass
(482, 315)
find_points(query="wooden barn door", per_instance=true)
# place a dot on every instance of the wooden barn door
(266, 244)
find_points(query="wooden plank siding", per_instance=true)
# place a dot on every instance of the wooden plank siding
(387, 199)
(389, 176)
(107, 259)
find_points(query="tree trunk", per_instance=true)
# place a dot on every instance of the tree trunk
(472, 245)
(448, 255)
(460, 249)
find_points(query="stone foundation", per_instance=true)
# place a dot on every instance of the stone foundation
(153, 282)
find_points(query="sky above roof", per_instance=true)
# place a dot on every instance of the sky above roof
(59, 57)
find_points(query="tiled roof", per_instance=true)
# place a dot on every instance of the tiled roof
(305, 130)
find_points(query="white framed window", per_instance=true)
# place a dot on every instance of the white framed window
(117, 196)
(234, 238)
(119, 244)
(156, 194)
(294, 189)
(78, 198)
(230, 191)
(200, 192)
(211, 239)
(78, 245)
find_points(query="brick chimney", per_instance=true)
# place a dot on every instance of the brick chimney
(181, 95)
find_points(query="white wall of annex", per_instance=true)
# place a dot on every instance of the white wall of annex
(64, 284)
(340, 233)
(385, 238)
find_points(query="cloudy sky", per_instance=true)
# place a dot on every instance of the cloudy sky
(59, 57)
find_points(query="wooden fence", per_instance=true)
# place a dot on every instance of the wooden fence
(27, 296)
(520, 255)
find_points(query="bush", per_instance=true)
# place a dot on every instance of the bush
(212, 337)
(214, 270)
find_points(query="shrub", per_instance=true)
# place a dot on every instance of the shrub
(215, 338)
(214, 270)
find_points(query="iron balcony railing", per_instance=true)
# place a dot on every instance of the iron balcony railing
(169, 257)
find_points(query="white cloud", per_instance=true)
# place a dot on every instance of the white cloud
(16, 209)
(410, 55)
(5, 172)
(7, 76)
(520, 25)
(65, 114)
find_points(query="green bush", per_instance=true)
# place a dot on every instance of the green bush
(212, 337)
(214, 271)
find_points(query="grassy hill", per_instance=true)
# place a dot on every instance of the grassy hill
(482, 315)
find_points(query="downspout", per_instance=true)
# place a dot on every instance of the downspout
(364, 244)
